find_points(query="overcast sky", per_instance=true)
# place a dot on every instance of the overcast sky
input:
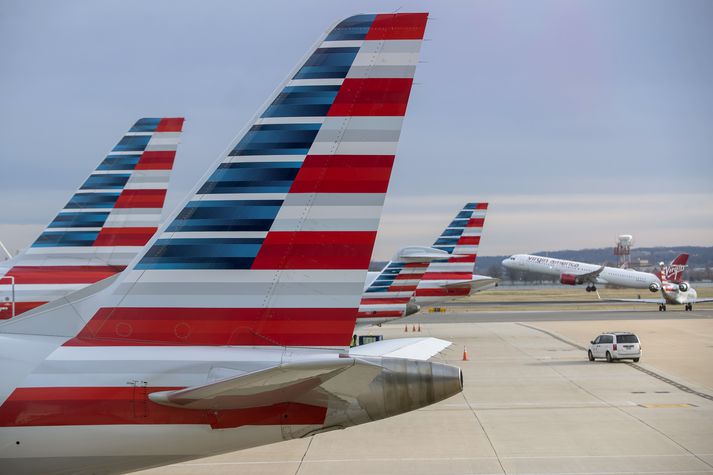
(578, 121)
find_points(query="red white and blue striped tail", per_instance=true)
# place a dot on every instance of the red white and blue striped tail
(390, 295)
(105, 224)
(461, 238)
(272, 247)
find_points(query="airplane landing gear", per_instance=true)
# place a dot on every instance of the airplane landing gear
(689, 307)
(662, 307)
(591, 288)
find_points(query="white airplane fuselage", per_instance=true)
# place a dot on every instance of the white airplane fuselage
(628, 278)
(672, 293)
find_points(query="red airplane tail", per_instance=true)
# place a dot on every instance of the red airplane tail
(674, 272)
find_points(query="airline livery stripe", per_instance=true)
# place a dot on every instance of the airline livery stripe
(344, 174)
(67, 406)
(141, 199)
(315, 249)
(137, 326)
(134, 236)
(62, 274)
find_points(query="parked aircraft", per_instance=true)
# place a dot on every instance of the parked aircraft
(674, 290)
(578, 273)
(418, 275)
(231, 329)
(104, 225)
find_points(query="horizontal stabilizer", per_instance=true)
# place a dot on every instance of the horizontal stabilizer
(411, 348)
(475, 285)
(421, 254)
(278, 384)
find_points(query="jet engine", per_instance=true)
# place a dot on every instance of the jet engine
(654, 287)
(570, 279)
(683, 286)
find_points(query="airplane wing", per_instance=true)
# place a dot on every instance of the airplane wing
(656, 301)
(590, 276)
(274, 385)
(290, 381)
(411, 348)
(703, 300)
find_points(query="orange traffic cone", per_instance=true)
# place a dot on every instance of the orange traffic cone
(465, 354)
(406, 328)
(419, 327)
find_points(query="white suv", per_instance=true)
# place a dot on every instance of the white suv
(615, 346)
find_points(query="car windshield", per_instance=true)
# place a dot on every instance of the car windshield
(627, 339)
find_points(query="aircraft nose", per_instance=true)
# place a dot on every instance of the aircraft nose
(506, 262)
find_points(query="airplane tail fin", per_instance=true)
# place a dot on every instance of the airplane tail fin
(273, 245)
(675, 270)
(107, 221)
(460, 238)
(389, 296)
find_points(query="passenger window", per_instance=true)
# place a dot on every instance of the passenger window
(597, 340)
(607, 339)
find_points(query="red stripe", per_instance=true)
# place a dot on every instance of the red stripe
(481, 206)
(443, 292)
(380, 313)
(372, 97)
(141, 199)
(162, 160)
(448, 276)
(402, 288)
(409, 276)
(20, 307)
(386, 301)
(136, 326)
(475, 223)
(398, 26)
(170, 124)
(28, 407)
(344, 174)
(315, 250)
(469, 240)
(124, 236)
(465, 258)
(61, 274)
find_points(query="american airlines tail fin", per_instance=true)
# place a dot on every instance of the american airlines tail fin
(272, 247)
(460, 238)
(389, 296)
(674, 271)
(108, 220)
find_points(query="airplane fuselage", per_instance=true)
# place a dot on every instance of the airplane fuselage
(672, 293)
(558, 267)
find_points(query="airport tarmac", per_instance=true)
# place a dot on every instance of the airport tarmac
(532, 403)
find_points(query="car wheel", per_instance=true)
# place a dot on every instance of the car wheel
(636, 360)
(609, 358)
(590, 355)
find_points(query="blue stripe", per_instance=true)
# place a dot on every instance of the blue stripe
(452, 232)
(248, 215)
(92, 200)
(458, 223)
(254, 177)
(148, 124)
(106, 182)
(470, 206)
(211, 253)
(353, 28)
(328, 63)
(302, 101)
(448, 249)
(95, 219)
(447, 241)
(119, 162)
(277, 139)
(66, 238)
(132, 143)
(464, 214)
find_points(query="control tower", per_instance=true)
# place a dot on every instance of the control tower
(623, 250)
